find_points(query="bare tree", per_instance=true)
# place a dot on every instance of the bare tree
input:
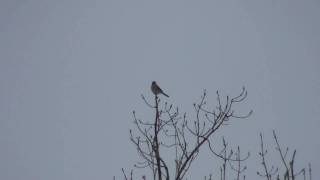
(287, 164)
(268, 172)
(171, 130)
(184, 136)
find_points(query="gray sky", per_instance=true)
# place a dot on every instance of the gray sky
(71, 72)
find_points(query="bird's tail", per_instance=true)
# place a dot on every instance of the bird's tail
(165, 94)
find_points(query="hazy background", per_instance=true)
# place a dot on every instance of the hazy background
(72, 71)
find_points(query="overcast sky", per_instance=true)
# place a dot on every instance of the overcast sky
(72, 71)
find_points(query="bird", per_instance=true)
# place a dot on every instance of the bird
(156, 89)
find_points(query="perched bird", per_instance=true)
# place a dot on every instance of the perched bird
(156, 89)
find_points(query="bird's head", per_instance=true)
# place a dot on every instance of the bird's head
(154, 83)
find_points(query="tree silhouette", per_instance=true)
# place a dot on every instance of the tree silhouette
(184, 137)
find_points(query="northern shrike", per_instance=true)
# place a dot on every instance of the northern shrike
(156, 89)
